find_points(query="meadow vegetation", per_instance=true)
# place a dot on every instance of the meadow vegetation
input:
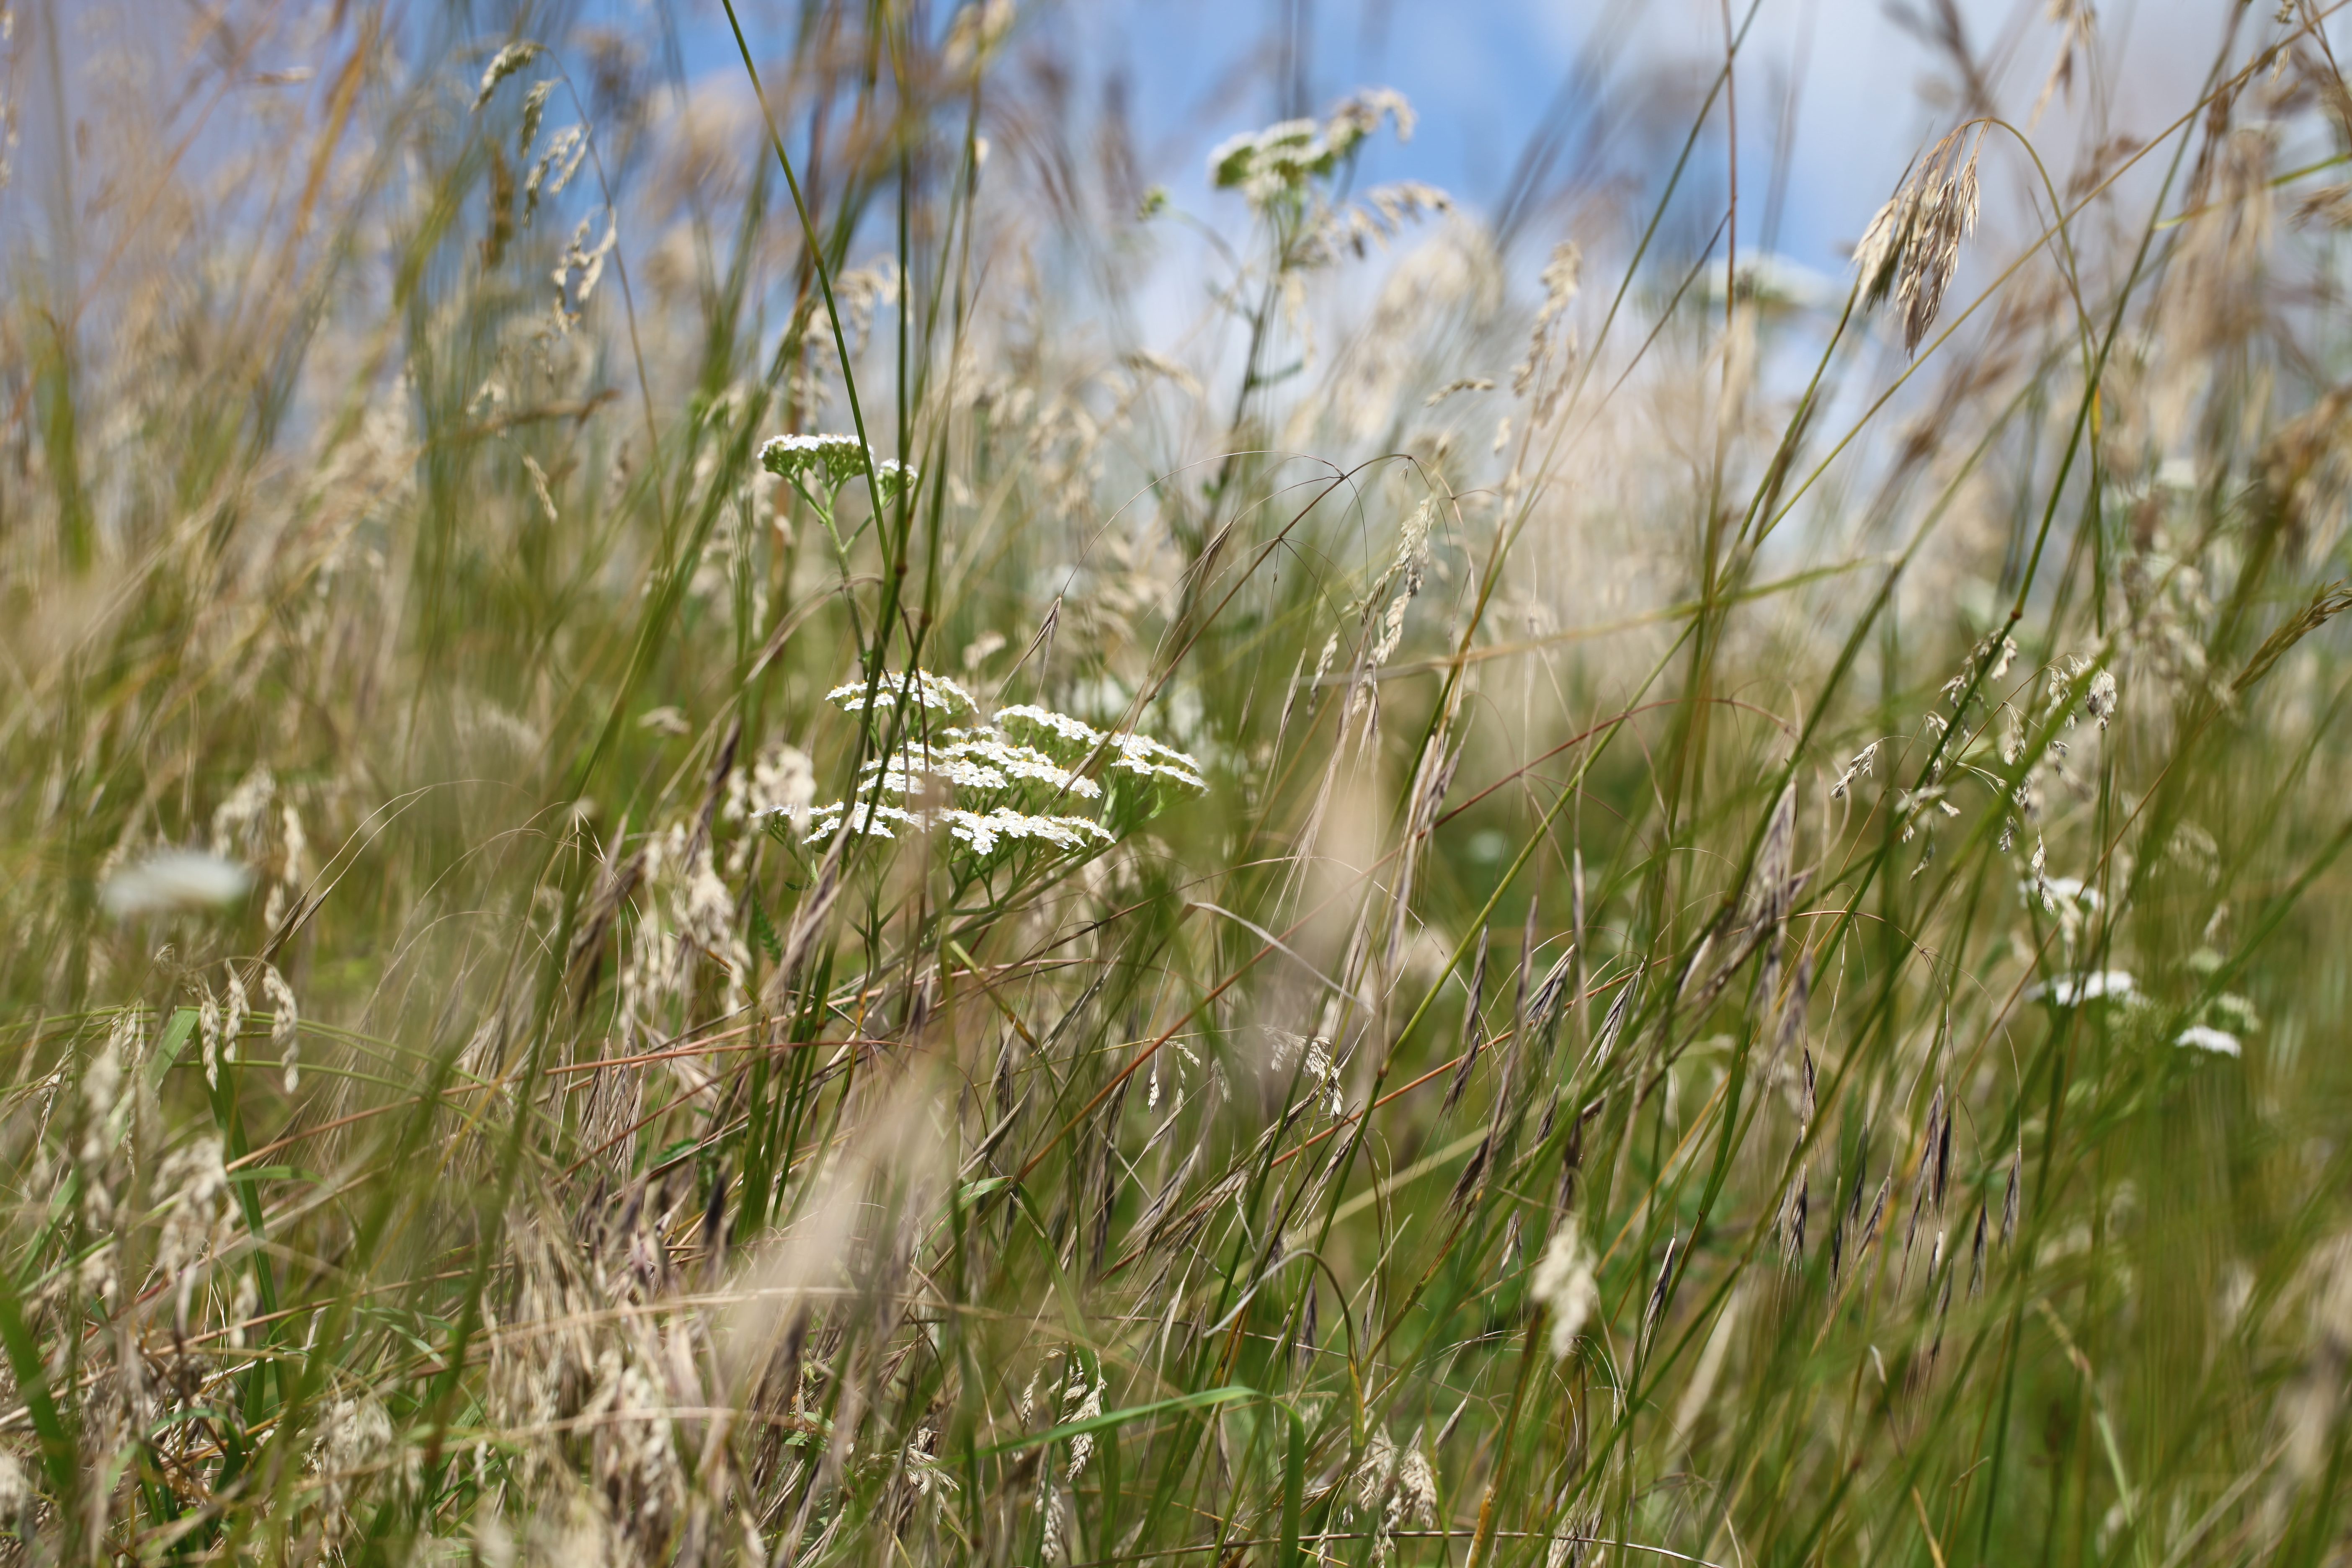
(716, 851)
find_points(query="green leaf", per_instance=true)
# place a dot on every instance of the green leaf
(1203, 1400)
(168, 1049)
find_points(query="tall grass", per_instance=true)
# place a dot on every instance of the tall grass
(1525, 898)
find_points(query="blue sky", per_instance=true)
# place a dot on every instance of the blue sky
(1483, 73)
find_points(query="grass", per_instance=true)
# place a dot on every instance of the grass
(1600, 921)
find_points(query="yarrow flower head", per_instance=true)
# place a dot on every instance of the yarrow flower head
(1278, 161)
(1004, 826)
(2072, 990)
(837, 457)
(936, 692)
(1262, 164)
(891, 476)
(832, 461)
(1077, 731)
(1010, 790)
(871, 820)
(2205, 1037)
(1142, 754)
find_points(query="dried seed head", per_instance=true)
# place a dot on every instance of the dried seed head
(1472, 1030)
(1089, 1404)
(504, 64)
(1376, 1470)
(1662, 1290)
(208, 1027)
(234, 1008)
(2099, 702)
(196, 1186)
(1913, 245)
(1863, 764)
(1416, 1491)
(1612, 1023)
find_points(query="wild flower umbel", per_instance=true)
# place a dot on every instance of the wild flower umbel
(1016, 791)
(985, 834)
(2072, 990)
(871, 820)
(938, 692)
(2205, 1037)
(831, 461)
(1077, 731)
(1143, 755)
(1278, 161)
(837, 457)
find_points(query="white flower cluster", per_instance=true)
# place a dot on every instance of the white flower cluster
(1143, 755)
(2074, 990)
(1075, 731)
(995, 772)
(1129, 752)
(872, 820)
(838, 458)
(977, 759)
(982, 832)
(1263, 163)
(1280, 159)
(936, 692)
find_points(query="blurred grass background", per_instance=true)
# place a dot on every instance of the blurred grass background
(1752, 982)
